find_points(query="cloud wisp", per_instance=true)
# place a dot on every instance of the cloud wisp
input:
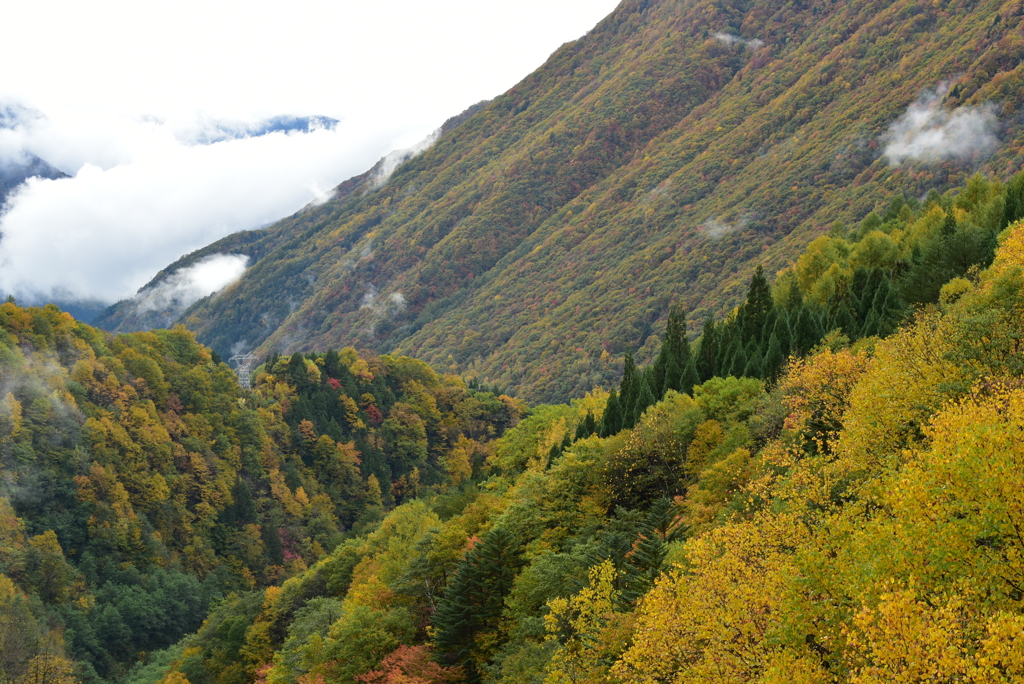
(390, 163)
(928, 133)
(716, 228)
(729, 39)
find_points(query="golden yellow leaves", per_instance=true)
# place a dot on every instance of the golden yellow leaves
(903, 386)
(816, 390)
(49, 668)
(591, 634)
(457, 462)
(1001, 658)
(714, 620)
(907, 639)
(962, 497)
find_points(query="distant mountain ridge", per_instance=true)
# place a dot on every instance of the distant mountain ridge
(211, 132)
(14, 174)
(658, 158)
(15, 171)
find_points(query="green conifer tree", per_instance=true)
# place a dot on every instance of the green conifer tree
(870, 328)
(770, 321)
(646, 397)
(332, 365)
(783, 334)
(1013, 206)
(554, 452)
(753, 367)
(773, 359)
(795, 300)
(856, 292)
(675, 353)
(629, 389)
(296, 372)
(754, 311)
(707, 351)
(866, 295)
(739, 361)
(690, 378)
(611, 421)
(474, 601)
(843, 320)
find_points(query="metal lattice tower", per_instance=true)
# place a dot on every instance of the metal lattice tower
(244, 370)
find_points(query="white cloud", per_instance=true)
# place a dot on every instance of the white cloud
(928, 133)
(729, 39)
(140, 198)
(188, 285)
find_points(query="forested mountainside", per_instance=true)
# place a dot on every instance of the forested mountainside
(140, 484)
(825, 487)
(658, 158)
(851, 517)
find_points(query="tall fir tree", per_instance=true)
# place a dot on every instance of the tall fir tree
(795, 300)
(707, 351)
(773, 359)
(1013, 205)
(753, 368)
(474, 601)
(648, 551)
(754, 312)
(843, 320)
(675, 353)
(782, 333)
(807, 332)
(856, 292)
(645, 397)
(611, 422)
(690, 378)
(629, 389)
(866, 295)
(739, 361)
(296, 372)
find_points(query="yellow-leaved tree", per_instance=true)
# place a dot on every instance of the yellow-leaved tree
(590, 633)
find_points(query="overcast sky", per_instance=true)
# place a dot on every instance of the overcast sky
(129, 90)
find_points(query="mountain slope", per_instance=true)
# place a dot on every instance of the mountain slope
(658, 158)
(14, 174)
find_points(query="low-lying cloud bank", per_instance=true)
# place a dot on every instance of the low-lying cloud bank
(142, 192)
(928, 133)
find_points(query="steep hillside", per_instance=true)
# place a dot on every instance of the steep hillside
(656, 159)
(139, 483)
(856, 521)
